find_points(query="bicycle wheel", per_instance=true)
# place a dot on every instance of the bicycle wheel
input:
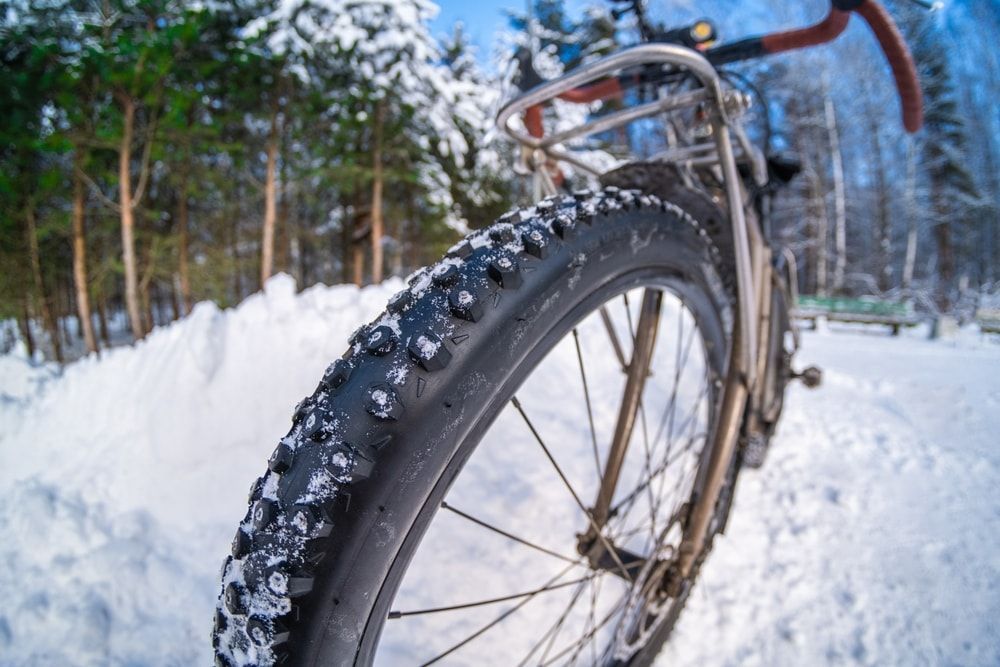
(438, 483)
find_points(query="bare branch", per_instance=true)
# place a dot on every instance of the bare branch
(147, 151)
(97, 190)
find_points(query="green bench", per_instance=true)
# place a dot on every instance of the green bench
(988, 320)
(861, 310)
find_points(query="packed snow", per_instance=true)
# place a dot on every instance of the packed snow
(869, 537)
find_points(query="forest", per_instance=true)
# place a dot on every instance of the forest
(155, 154)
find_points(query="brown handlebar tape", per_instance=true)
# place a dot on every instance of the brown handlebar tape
(826, 30)
(900, 60)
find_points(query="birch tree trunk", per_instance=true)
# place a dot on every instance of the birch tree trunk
(128, 217)
(818, 225)
(377, 184)
(822, 234)
(883, 236)
(911, 214)
(839, 197)
(80, 282)
(270, 202)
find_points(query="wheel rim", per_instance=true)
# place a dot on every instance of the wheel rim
(512, 601)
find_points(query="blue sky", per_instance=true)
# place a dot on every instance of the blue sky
(482, 18)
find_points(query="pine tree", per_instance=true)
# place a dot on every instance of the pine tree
(943, 146)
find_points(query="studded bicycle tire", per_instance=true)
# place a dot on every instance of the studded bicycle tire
(331, 523)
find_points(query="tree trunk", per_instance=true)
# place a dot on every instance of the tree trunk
(358, 262)
(175, 302)
(883, 230)
(396, 260)
(25, 324)
(911, 214)
(820, 231)
(145, 280)
(281, 235)
(48, 321)
(945, 253)
(102, 321)
(347, 248)
(80, 281)
(377, 183)
(270, 202)
(128, 218)
(839, 198)
(148, 321)
(234, 249)
(62, 313)
(183, 241)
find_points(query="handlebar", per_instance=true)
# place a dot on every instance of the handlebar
(900, 60)
(893, 45)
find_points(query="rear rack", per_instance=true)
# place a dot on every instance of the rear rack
(717, 151)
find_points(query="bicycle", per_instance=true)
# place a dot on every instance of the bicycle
(667, 278)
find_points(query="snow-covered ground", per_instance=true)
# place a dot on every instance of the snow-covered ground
(871, 536)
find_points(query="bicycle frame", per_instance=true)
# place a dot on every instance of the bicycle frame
(755, 276)
(751, 252)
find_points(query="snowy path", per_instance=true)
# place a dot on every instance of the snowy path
(872, 534)
(870, 537)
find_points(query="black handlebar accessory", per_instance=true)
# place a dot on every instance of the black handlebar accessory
(699, 35)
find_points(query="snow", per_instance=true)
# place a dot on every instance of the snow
(869, 537)
(427, 347)
(123, 479)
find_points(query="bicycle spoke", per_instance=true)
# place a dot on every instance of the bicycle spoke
(553, 630)
(481, 603)
(497, 620)
(574, 627)
(510, 536)
(682, 481)
(604, 621)
(628, 318)
(679, 364)
(648, 467)
(591, 620)
(687, 423)
(600, 536)
(586, 395)
(615, 344)
(630, 498)
(691, 419)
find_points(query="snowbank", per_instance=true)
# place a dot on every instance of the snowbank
(869, 537)
(123, 479)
